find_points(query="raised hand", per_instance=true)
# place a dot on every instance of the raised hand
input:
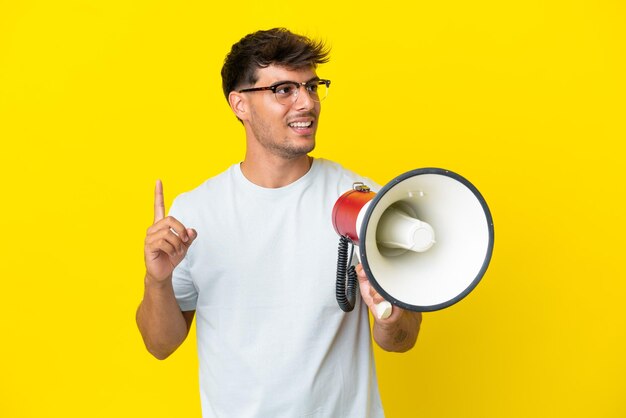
(167, 241)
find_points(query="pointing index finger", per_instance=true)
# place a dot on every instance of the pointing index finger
(159, 206)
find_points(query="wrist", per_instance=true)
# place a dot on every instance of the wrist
(157, 284)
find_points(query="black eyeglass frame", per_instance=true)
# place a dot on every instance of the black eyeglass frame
(305, 84)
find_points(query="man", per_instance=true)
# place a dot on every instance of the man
(252, 254)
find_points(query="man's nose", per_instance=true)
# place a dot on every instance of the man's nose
(303, 99)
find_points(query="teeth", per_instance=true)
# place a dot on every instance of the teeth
(300, 124)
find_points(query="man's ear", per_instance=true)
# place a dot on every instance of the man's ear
(238, 104)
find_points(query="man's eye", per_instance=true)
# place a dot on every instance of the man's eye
(285, 89)
(312, 87)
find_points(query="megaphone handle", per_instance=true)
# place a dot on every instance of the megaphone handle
(383, 310)
(346, 286)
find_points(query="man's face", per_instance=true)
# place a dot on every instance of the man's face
(284, 130)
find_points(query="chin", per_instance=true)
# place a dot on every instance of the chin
(293, 153)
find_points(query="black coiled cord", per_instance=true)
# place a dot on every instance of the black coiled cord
(345, 290)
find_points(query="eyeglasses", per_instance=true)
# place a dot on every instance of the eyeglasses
(286, 92)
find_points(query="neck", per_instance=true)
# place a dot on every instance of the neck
(278, 172)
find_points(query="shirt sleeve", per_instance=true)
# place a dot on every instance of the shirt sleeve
(182, 280)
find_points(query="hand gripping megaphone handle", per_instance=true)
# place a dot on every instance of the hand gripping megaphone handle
(347, 283)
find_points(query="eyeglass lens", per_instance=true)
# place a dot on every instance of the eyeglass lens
(288, 92)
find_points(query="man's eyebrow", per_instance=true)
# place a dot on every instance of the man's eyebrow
(316, 78)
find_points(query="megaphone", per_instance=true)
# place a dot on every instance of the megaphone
(425, 239)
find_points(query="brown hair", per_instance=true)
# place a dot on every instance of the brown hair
(261, 49)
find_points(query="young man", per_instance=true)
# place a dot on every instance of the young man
(252, 254)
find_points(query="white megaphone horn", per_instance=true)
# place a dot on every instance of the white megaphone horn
(425, 239)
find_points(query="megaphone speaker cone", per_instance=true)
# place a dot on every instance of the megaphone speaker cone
(450, 235)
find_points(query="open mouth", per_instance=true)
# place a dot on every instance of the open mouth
(301, 125)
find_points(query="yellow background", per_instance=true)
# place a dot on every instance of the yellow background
(524, 98)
